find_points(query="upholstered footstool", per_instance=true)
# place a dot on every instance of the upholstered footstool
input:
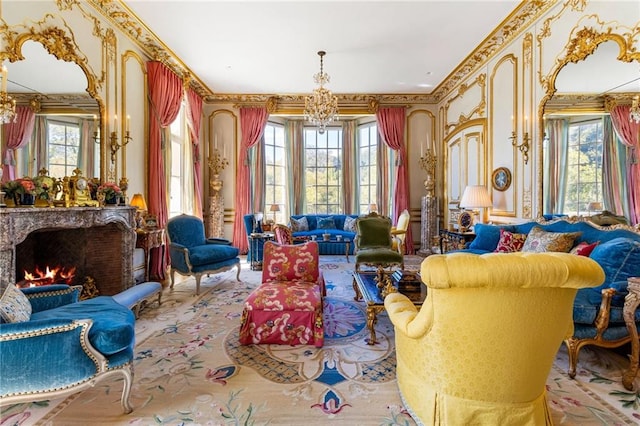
(138, 296)
(285, 313)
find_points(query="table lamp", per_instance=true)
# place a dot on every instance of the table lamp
(373, 208)
(476, 197)
(594, 206)
(274, 208)
(141, 208)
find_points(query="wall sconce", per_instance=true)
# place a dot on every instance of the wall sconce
(113, 140)
(523, 147)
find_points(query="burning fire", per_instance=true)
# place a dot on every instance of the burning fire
(56, 275)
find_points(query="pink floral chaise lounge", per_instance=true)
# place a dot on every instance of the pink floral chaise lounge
(287, 307)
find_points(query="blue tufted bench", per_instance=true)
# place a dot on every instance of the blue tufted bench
(137, 297)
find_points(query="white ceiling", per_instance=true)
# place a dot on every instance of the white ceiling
(270, 47)
(378, 47)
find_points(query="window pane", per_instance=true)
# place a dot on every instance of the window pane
(63, 144)
(584, 166)
(367, 165)
(323, 170)
(275, 171)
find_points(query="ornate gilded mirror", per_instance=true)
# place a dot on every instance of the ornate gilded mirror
(66, 135)
(582, 88)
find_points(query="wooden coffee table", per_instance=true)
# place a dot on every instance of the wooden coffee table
(366, 287)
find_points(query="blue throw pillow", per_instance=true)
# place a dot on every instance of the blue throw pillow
(298, 225)
(619, 257)
(326, 223)
(487, 236)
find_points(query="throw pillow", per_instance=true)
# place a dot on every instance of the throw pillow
(510, 242)
(350, 224)
(299, 224)
(14, 305)
(584, 248)
(540, 241)
(326, 223)
(487, 236)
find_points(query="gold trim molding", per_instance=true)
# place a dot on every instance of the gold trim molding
(59, 42)
(125, 19)
(481, 82)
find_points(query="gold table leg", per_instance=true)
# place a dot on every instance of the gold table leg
(358, 295)
(372, 319)
(631, 302)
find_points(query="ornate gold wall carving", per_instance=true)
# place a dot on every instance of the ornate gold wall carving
(479, 109)
(124, 18)
(583, 41)
(56, 37)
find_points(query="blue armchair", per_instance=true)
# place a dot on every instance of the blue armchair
(65, 346)
(192, 253)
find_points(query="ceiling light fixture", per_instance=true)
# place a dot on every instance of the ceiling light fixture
(634, 112)
(321, 108)
(7, 103)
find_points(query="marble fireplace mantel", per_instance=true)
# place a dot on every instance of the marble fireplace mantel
(16, 225)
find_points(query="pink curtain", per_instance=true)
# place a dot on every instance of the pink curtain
(629, 132)
(391, 122)
(252, 123)
(194, 117)
(165, 96)
(18, 134)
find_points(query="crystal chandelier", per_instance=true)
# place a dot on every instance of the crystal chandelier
(7, 103)
(634, 112)
(321, 108)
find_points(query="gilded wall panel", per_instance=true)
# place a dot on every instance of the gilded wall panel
(505, 115)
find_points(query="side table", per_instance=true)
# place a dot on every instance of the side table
(454, 240)
(631, 302)
(257, 240)
(147, 239)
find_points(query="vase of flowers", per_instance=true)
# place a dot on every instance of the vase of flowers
(110, 191)
(28, 192)
(21, 191)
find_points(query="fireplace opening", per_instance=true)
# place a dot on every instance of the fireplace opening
(47, 276)
(96, 252)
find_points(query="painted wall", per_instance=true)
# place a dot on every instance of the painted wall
(478, 118)
(470, 126)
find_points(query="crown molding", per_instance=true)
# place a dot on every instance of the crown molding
(128, 22)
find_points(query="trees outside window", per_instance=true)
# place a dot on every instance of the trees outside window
(367, 166)
(323, 170)
(275, 171)
(63, 146)
(584, 166)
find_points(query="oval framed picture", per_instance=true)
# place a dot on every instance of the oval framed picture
(501, 179)
(465, 220)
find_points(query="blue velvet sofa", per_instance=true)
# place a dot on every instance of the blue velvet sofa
(313, 229)
(597, 312)
(65, 346)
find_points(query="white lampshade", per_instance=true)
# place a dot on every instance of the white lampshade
(475, 196)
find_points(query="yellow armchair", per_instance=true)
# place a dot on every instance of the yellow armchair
(481, 347)
(399, 232)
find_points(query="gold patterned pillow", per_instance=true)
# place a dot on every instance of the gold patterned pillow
(14, 305)
(540, 241)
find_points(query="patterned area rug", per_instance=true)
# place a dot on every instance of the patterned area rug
(190, 369)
